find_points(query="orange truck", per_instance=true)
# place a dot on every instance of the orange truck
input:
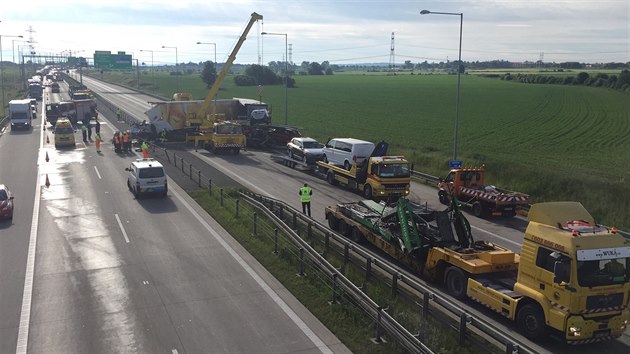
(467, 185)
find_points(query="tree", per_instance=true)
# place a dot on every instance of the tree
(581, 78)
(315, 69)
(263, 75)
(209, 73)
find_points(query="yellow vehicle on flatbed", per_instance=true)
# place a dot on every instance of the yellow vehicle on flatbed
(572, 277)
(223, 136)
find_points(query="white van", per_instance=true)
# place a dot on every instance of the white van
(146, 176)
(347, 151)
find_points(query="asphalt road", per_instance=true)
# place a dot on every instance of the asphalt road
(256, 171)
(106, 273)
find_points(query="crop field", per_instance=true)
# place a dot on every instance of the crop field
(554, 142)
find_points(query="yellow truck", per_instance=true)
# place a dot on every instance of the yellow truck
(572, 278)
(223, 136)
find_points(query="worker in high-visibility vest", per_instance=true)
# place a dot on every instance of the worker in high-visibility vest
(97, 142)
(305, 197)
(125, 142)
(145, 150)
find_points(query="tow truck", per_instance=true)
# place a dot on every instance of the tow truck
(571, 279)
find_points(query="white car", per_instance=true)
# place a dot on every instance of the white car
(147, 176)
(347, 151)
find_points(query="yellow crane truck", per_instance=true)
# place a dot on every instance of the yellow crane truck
(571, 278)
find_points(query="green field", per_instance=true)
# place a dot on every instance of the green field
(554, 142)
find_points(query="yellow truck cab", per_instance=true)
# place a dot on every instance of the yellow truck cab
(64, 133)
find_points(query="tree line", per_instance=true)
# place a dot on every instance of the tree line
(619, 82)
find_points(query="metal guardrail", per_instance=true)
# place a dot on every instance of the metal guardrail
(427, 295)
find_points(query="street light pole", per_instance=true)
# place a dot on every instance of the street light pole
(176, 79)
(286, 73)
(2, 69)
(152, 74)
(459, 72)
(214, 109)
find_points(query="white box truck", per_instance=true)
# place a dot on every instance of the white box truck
(20, 114)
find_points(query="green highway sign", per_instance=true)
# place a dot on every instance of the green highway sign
(107, 60)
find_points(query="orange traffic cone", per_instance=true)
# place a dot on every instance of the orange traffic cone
(47, 181)
(47, 156)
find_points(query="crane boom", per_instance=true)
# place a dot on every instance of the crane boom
(226, 67)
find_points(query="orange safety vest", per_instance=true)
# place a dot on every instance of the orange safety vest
(116, 139)
(125, 138)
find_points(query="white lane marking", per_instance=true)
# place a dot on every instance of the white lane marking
(97, 173)
(27, 294)
(122, 228)
(517, 244)
(274, 296)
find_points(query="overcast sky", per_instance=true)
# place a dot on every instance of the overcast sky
(340, 31)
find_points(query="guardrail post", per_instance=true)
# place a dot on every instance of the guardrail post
(190, 170)
(301, 273)
(509, 348)
(281, 212)
(463, 319)
(237, 207)
(309, 234)
(275, 241)
(368, 270)
(175, 159)
(346, 254)
(182, 161)
(167, 156)
(326, 243)
(210, 185)
(222, 197)
(333, 300)
(255, 224)
(199, 178)
(294, 220)
(395, 283)
(379, 331)
(425, 304)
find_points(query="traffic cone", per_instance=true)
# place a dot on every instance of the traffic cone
(47, 140)
(47, 156)
(47, 181)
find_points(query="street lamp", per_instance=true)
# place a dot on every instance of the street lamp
(177, 79)
(152, 75)
(459, 71)
(286, 73)
(1, 68)
(13, 46)
(214, 108)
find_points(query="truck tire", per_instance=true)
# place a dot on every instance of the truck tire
(237, 151)
(477, 209)
(443, 197)
(367, 191)
(356, 235)
(344, 228)
(330, 177)
(346, 165)
(333, 223)
(456, 282)
(531, 321)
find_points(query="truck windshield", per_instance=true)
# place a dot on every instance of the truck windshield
(603, 272)
(394, 170)
(18, 115)
(228, 129)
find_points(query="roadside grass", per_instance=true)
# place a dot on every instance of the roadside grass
(13, 87)
(554, 142)
(345, 320)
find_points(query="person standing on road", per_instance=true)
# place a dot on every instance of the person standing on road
(97, 127)
(89, 129)
(145, 150)
(118, 114)
(125, 142)
(97, 142)
(84, 132)
(305, 197)
(116, 142)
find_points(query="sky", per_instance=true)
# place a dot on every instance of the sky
(338, 31)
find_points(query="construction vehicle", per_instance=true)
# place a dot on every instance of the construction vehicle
(562, 283)
(378, 177)
(467, 185)
(223, 136)
(183, 113)
(60, 109)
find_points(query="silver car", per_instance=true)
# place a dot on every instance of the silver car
(307, 150)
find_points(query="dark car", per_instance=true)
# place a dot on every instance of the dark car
(6, 203)
(308, 150)
(279, 135)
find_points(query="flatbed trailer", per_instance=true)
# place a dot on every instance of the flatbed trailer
(563, 283)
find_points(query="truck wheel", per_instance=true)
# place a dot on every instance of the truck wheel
(531, 321)
(443, 197)
(367, 191)
(333, 223)
(236, 151)
(330, 177)
(347, 165)
(290, 154)
(456, 282)
(344, 228)
(128, 185)
(477, 209)
(356, 235)
(325, 159)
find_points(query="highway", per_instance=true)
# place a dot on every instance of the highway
(86, 268)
